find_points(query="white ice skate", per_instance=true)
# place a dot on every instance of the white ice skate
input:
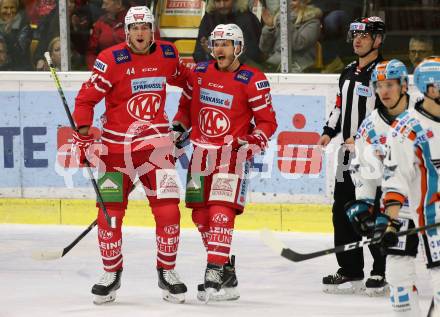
(105, 290)
(173, 289)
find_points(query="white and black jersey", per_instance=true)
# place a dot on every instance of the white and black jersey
(355, 100)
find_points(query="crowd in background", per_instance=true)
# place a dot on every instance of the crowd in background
(318, 28)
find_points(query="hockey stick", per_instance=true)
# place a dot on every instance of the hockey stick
(111, 221)
(279, 247)
(53, 255)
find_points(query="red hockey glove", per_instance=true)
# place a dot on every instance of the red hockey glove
(255, 139)
(255, 143)
(80, 146)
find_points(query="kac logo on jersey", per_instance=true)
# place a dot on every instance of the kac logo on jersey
(213, 122)
(147, 84)
(122, 56)
(262, 84)
(144, 106)
(168, 51)
(244, 76)
(364, 91)
(100, 65)
(215, 98)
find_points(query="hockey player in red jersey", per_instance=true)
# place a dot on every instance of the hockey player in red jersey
(219, 103)
(132, 77)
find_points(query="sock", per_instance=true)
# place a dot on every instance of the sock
(110, 240)
(167, 234)
(221, 229)
(200, 217)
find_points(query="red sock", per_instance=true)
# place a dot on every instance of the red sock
(167, 234)
(110, 240)
(200, 217)
(221, 229)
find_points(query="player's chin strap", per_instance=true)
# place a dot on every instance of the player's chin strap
(372, 47)
(436, 100)
(397, 102)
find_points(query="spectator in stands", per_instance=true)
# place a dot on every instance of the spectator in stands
(37, 10)
(16, 33)
(419, 48)
(81, 22)
(304, 34)
(54, 50)
(48, 29)
(5, 64)
(108, 30)
(225, 12)
(337, 15)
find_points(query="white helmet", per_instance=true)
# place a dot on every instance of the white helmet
(140, 14)
(227, 32)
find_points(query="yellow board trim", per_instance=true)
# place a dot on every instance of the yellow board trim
(280, 217)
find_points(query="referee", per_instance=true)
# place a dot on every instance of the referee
(354, 101)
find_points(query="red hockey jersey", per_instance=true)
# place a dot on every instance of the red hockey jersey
(218, 104)
(134, 87)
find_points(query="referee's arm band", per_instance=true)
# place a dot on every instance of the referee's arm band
(329, 131)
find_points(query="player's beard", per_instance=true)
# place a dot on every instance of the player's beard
(227, 63)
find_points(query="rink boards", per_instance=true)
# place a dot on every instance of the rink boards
(282, 217)
(35, 145)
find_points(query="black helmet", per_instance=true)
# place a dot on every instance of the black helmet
(372, 25)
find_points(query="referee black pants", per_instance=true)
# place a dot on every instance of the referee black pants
(351, 263)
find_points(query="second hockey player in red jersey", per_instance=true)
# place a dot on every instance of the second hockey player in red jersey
(219, 103)
(132, 76)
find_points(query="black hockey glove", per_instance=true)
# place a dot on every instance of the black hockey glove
(179, 134)
(386, 230)
(360, 214)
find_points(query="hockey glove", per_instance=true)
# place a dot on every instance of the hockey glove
(179, 134)
(255, 142)
(386, 230)
(360, 214)
(80, 146)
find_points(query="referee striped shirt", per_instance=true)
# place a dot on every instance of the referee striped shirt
(355, 100)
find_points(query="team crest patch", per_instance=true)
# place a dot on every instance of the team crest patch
(168, 51)
(122, 56)
(244, 76)
(201, 67)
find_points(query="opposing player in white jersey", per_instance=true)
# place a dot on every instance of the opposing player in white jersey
(412, 169)
(390, 81)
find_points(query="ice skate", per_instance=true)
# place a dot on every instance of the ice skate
(173, 289)
(229, 286)
(105, 290)
(376, 285)
(339, 284)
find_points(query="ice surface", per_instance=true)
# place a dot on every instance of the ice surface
(269, 285)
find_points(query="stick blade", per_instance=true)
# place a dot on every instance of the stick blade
(271, 241)
(47, 255)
